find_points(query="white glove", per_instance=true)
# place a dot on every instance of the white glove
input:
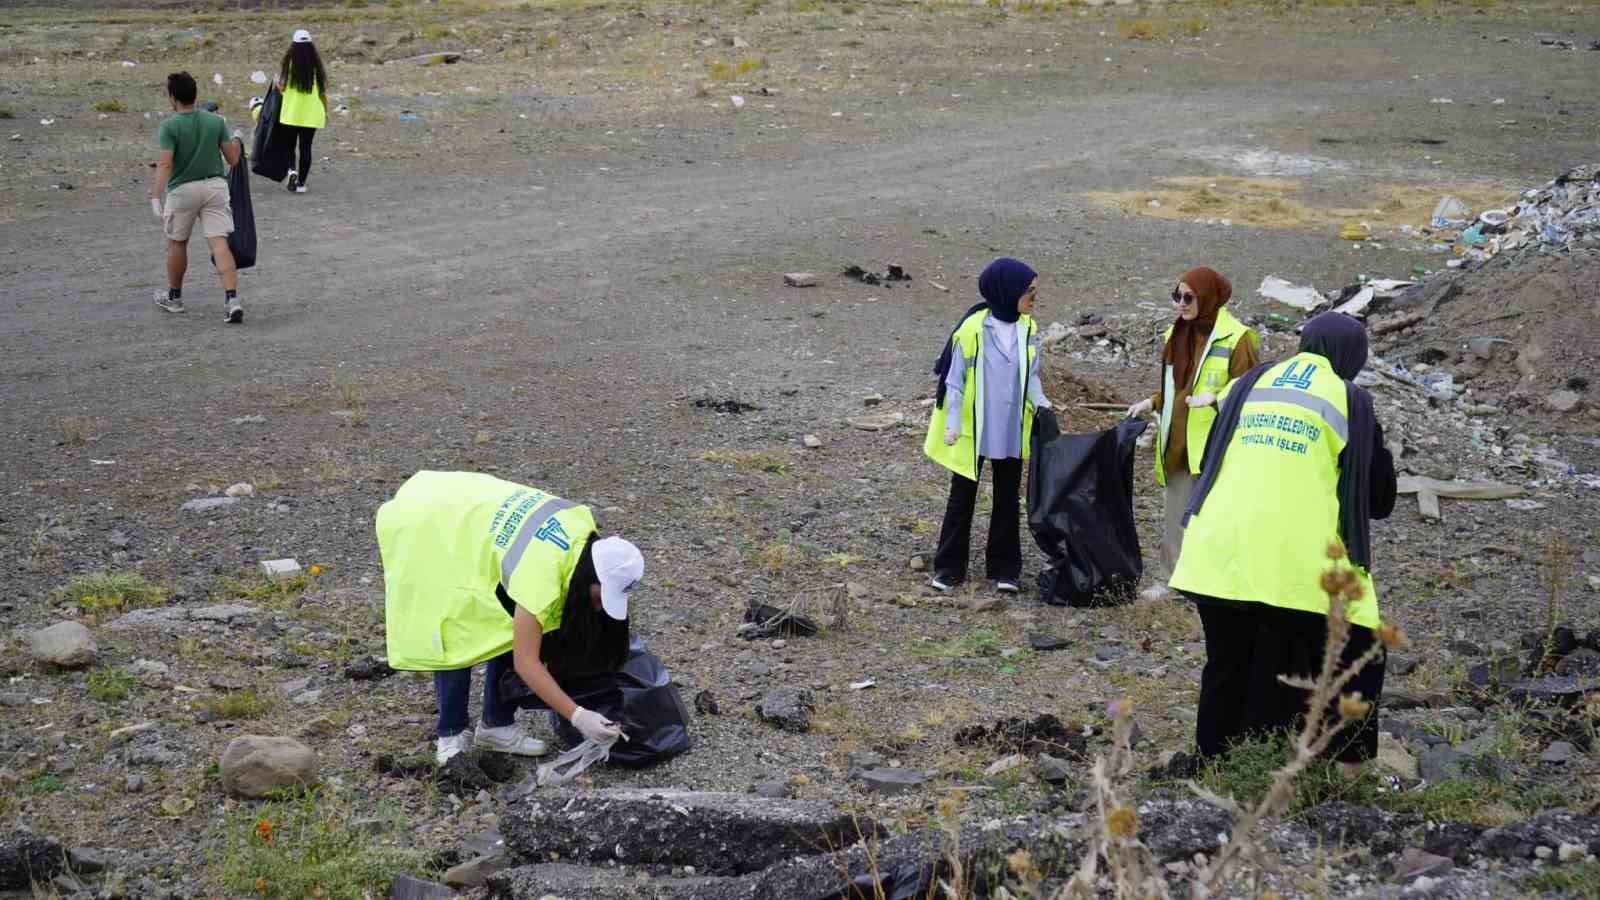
(1044, 403)
(596, 727)
(1141, 408)
(1205, 399)
(950, 437)
(155, 207)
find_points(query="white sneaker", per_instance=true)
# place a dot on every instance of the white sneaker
(509, 739)
(447, 747)
(1005, 586)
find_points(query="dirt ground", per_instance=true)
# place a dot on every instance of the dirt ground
(580, 234)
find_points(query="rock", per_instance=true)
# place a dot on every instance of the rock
(1107, 654)
(865, 759)
(888, 780)
(1521, 840)
(372, 668)
(26, 858)
(86, 861)
(1051, 769)
(1180, 830)
(1558, 752)
(1558, 690)
(773, 788)
(1044, 643)
(242, 489)
(811, 442)
(717, 833)
(918, 563)
(800, 279)
(872, 400)
(1454, 840)
(855, 590)
(1464, 648)
(407, 888)
(306, 698)
(149, 668)
(1564, 401)
(1394, 758)
(474, 872)
(207, 504)
(13, 699)
(183, 617)
(1582, 662)
(119, 540)
(1497, 671)
(255, 766)
(1346, 824)
(1005, 764)
(705, 703)
(134, 784)
(1400, 664)
(358, 47)
(1414, 862)
(877, 422)
(788, 708)
(296, 686)
(67, 645)
(564, 881)
(1571, 853)
(1444, 764)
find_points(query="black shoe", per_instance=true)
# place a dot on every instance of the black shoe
(233, 313)
(289, 183)
(944, 583)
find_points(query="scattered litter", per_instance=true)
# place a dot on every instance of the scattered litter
(729, 405)
(1357, 305)
(410, 117)
(280, 568)
(1441, 100)
(862, 685)
(258, 77)
(1042, 734)
(129, 63)
(800, 279)
(1296, 297)
(737, 101)
(102, 462)
(939, 287)
(216, 77)
(426, 59)
(763, 621)
(1449, 213)
(892, 274)
(250, 420)
(47, 121)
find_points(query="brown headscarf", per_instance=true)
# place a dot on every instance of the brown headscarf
(1188, 339)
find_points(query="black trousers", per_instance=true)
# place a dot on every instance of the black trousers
(302, 138)
(1248, 645)
(1003, 556)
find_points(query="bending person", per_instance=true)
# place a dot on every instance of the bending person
(1203, 350)
(988, 390)
(479, 570)
(1296, 459)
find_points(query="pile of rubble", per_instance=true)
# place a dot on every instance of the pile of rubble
(1563, 215)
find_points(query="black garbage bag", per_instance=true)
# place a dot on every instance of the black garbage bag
(640, 697)
(1080, 510)
(243, 240)
(272, 148)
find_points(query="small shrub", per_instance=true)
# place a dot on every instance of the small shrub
(780, 556)
(7, 112)
(110, 106)
(1143, 29)
(110, 685)
(1246, 773)
(298, 848)
(45, 784)
(754, 460)
(1194, 26)
(1579, 880)
(103, 591)
(717, 70)
(235, 705)
(73, 431)
(751, 64)
(436, 32)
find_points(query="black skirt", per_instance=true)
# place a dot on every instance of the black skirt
(1248, 645)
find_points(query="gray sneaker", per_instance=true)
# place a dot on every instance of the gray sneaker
(233, 313)
(165, 301)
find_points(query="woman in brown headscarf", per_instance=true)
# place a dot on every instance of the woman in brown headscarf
(1205, 348)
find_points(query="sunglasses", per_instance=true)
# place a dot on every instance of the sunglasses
(1181, 298)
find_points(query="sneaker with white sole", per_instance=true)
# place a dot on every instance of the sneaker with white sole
(233, 312)
(943, 583)
(1005, 585)
(300, 187)
(454, 745)
(166, 302)
(291, 181)
(509, 739)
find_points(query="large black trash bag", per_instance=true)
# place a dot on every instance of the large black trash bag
(640, 697)
(273, 151)
(243, 240)
(1080, 510)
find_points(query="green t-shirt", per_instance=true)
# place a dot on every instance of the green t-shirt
(194, 139)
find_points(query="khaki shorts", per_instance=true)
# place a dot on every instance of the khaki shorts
(204, 200)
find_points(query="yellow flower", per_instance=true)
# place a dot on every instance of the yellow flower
(1123, 822)
(261, 885)
(1021, 863)
(316, 570)
(1351, 706)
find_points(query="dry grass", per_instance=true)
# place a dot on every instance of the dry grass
(772, 462)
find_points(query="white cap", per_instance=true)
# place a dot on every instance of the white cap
(301, 36)
(619, 565)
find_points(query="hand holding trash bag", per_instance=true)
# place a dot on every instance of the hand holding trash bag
(1142, 408)
(596, 727)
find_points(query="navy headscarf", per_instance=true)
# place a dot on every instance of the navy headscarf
(1001, 284)
(1342, 341)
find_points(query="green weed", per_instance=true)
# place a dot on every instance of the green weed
(435, 32)
(110, 684)
(975, 643)
(1579, 880)
(1245, 772)
(45, 784)
(272, 593)
(301, 847)
(110, 106)
(249, 703)
(755, 460)
(7, 112)
(103, 591)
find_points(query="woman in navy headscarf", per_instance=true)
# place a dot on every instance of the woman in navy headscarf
(987, 392)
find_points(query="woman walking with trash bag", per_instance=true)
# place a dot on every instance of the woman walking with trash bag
(987, 392)
(479, 570)
(1294, 471)
(1202, 350)
(304, 82)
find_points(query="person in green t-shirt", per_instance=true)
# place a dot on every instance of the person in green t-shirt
(194, 145)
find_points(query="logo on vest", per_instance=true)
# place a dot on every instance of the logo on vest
(552, 532)
(1296, 378)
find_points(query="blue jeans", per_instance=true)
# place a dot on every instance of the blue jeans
(453, 689)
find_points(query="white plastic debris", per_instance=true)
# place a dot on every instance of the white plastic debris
(129, 63)
(1449, 212)
(102, 462)
(47, 121)
(216, 77)
(571, 764)
(1294, 296)
(1357, 305)
(242, 489)
(737, 101)
(280, 568)
(258, 76)
(862, 685)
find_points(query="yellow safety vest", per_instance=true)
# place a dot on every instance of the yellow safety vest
(447, 540)
(302, 108)
(962, 456)
(1263, 533)
(1210, 376)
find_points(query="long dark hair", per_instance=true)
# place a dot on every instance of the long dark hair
(588, 640)
(303, 70)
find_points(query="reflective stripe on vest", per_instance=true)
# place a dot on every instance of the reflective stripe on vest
(543, 515)
(1329, 413)
(1225, 334)
(962, 457)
